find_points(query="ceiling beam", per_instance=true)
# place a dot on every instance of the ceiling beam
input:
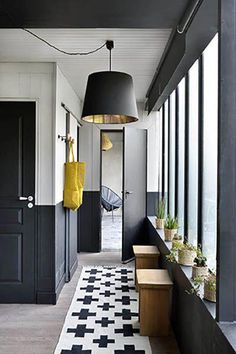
(91, 13)
(182, 51)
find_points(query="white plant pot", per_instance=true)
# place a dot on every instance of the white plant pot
(160, 223)
(199, 272)
(209, 293)
(169, 234)
(186, 257)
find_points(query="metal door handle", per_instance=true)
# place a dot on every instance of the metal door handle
(128, 192)
(29, 198)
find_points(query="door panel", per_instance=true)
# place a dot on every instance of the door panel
(17, 179)
(134, 188)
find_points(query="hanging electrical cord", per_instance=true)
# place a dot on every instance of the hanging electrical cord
(60, 50)
(48, 43)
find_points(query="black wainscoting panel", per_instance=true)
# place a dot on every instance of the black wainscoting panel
(89, 222)
(73, 261)
(152, 200)
(195, 329)
(46, 255)
(51, 251)
(60, 227)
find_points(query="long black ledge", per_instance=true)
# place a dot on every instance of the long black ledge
(202, 312)
(181, 53)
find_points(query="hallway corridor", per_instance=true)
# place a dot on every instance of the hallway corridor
(35, 329)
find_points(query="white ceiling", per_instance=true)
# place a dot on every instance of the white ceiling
(137, 52)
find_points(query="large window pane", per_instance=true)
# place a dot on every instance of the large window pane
(210, 114)
(181, 154)
(193, 156)
(172, 156)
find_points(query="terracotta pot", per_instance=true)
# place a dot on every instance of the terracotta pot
(209, 294)
(186, 257)
(169, 234)
(199, 272)
(160, 223)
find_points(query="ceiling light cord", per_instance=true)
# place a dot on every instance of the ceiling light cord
(60, 50)
(12, 20)
(109, 46)
(110, 61)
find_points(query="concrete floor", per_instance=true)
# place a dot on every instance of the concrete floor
(111, 232)
(35, 329)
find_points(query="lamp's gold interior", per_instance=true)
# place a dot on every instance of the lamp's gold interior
(106, 142)
(109, 119)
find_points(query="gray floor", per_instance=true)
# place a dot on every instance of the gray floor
(35, 329)
(111, 232)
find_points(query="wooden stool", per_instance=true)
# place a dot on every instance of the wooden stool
(146, 257)
(155, 290)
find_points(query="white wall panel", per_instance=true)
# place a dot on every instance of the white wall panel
(34, 82)
(65, 94)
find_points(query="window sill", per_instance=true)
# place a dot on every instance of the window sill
(227, 328)
(186, 270)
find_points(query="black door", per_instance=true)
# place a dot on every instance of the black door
(17, 191)
(134, 188)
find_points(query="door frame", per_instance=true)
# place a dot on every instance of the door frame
(36, 181)
(121, 130)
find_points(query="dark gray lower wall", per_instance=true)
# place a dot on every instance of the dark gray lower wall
(152, 198)
(73, 261)
(45, 287)
(51, 230)
(196, 330)
(89, 223)
(60, 227)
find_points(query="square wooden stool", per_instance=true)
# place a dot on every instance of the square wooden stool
(146, 257)
(155, 291)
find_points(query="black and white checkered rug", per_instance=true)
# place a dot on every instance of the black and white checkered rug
(103, 316)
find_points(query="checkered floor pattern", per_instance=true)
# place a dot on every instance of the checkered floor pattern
(103, 316)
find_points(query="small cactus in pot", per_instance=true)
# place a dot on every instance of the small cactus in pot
(170, 228)
(210, 287)
(177, 241)
(199, 268)
(160, 214)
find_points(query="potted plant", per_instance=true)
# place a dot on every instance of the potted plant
(170, 228)
(187, 254)
(200, 268)
(160, 214)
(210, 287)
(177, 241)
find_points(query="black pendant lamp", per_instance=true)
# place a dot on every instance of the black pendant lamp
(109, 97)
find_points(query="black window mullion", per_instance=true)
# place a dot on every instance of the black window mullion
(163, 151)
(186, 159)
(200, 147)
(176, 149)
(168, 160)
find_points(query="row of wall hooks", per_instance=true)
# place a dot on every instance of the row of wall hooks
(66, 138)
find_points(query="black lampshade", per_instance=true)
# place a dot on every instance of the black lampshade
(110, 99)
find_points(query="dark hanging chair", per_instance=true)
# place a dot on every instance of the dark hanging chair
(110, 200)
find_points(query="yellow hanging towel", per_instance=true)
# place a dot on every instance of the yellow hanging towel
(74, 181)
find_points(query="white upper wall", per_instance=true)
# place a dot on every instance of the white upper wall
(45, 84)
(64, 94)
(34, 82)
